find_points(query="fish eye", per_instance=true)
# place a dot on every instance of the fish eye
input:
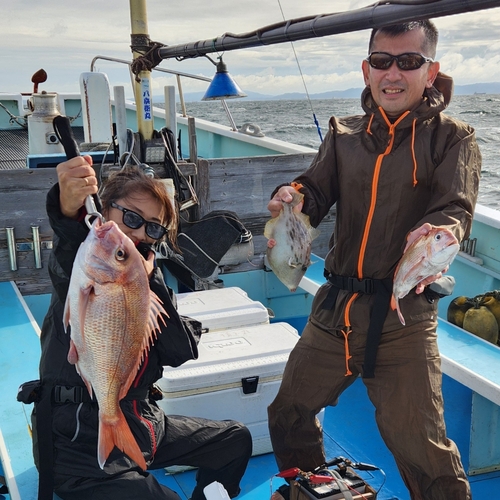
(120, 254)
(438, 236)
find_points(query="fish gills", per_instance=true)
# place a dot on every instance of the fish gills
(114, 317)
(426, 256)
(289, 258)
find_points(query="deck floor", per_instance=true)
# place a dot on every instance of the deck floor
(356, 438)
(350, 429)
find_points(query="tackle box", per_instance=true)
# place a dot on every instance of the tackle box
(222, 308)
(236, 376)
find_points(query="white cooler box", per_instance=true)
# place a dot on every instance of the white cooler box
(222, 308)
(236, 376)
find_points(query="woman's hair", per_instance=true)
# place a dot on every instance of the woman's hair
(128, 182)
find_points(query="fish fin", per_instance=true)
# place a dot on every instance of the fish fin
(269, 227)
(66, 315)
(394, 303)
(88, 385)
(400, 316)
(72, 353)
(305, 219)
(395, 306)
(314, 233)
(409, 273)
(156, 316)
(398, 309)
(83, 303)
(118, 433)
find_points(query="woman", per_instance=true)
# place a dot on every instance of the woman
(65, 419)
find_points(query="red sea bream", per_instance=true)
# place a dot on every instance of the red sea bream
(426, 256)
(113, 317)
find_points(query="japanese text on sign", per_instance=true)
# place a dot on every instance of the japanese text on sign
(147, 104)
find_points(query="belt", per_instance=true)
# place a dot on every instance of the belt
(78, 394)
(382, 289)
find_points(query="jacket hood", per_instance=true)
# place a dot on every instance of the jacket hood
(436, 98)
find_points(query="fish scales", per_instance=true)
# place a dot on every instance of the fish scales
(113, 317)
(427, 256)
(293, 234)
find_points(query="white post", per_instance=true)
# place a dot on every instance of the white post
(121, 118)
(96, 108)
(170, 113)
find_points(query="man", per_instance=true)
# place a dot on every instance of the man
(393, 173)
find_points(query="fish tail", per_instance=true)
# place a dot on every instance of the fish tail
(117, 433)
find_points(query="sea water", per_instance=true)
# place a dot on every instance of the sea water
(292, 121)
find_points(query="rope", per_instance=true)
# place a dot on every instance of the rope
(318, 128)
(147, 61)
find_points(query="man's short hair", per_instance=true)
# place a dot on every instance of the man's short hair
(430, 32)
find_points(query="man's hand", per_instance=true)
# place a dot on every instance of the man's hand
(77, 180)
(275, 205)
(283, 195)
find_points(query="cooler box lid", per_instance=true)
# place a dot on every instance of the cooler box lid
(228, 356)
(222, 308)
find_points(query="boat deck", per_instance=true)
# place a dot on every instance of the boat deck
(349, 428)
(14, 149)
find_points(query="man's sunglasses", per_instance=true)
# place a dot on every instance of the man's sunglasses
(406, 62)
(134, 221)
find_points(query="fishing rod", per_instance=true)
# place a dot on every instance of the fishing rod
(373, 16)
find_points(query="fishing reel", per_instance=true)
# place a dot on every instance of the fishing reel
(326, 483)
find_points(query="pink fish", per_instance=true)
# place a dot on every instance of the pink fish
(426, 256)
(113, 317)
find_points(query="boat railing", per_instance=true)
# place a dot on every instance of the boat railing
(178, 75)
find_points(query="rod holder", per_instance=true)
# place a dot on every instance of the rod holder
(11, 246)
(469, 246)
(36, 246)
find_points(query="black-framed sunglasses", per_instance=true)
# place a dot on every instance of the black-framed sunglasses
(406, 62)
(134, 221)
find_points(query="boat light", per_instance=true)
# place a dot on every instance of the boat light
(222, 86)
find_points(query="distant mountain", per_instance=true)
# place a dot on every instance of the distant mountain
(475, 88)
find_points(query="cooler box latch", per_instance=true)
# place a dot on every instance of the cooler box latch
(249, 384)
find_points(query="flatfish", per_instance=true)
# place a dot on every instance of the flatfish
(292, 235)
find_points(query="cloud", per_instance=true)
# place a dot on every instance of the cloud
(64, 37)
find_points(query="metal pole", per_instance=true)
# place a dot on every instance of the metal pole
(374, 16)
(142, 89)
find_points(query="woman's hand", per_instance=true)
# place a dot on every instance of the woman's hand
(77, 180)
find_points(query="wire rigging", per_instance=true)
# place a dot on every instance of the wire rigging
(303, 80)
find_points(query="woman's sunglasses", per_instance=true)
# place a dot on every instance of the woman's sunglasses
(406, 62)
(134, 221)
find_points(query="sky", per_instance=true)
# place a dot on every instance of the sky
(63, 37)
